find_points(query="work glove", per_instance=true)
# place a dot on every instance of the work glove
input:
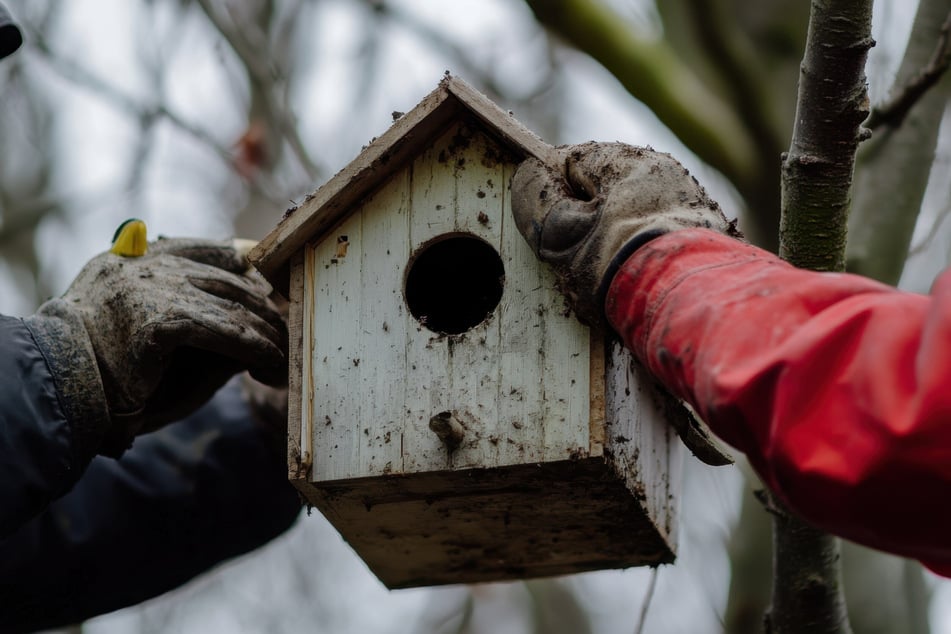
(587, 214)
(139, 342)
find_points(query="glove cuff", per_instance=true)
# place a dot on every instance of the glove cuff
(616, 262)
(62, 338)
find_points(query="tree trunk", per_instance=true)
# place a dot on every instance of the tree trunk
(816, 186)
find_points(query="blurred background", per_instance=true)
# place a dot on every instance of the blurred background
(211, 117)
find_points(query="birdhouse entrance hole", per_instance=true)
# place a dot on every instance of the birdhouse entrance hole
(454, 283)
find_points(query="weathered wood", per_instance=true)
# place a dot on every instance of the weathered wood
(380, 375)
(473, 525)
(640, 443)
(297, 463)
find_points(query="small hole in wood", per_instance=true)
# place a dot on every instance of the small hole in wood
(454, 283)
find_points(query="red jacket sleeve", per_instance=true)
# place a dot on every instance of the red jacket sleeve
(837, 388)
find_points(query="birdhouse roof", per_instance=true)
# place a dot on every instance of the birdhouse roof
(409, 136)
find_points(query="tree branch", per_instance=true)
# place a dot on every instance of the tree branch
(250, 50)
(894, 167)
(807, 585)
(816, 183)
(652, 72)
(832, 104)
(893, 110)
(80, 76)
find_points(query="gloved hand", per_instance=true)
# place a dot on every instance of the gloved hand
(586, 216)
(136, 343)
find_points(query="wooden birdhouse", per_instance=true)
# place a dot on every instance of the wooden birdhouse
(448, 414)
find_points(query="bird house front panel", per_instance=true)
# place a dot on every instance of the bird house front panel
(433, 339)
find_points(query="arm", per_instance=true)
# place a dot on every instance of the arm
(181, 500)
(836, 387)
(38, 458)
(134, 344)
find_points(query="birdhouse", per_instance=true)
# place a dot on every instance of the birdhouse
(448, 414)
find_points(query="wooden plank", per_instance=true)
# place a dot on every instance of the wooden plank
(510, 131)
(381, 328)
(428, 388)
(298, 464)
(522, 344)
(597, 420)
(643, 447)
(474, 367)
(337, 303)
(467, 526)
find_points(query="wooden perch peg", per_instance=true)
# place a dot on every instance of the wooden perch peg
(448, 428)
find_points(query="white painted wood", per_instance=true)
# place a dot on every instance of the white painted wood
(644, 446)
(359, 339)
(519, 380)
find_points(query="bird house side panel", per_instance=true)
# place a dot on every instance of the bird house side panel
(358, 333)
(642, 444)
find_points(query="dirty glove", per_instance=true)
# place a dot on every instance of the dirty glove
(139, 342)
(588, 214)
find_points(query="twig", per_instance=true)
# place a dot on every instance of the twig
(893, 110)
(932, 232)
(652, 72)
(651, 585)
(146, 115)
(264, 78)
(82, 77)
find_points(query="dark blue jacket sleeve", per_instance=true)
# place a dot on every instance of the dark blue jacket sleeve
(181, 500)
(37, 461)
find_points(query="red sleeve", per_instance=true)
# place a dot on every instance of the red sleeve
(837, 388)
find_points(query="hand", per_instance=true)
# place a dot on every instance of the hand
(136, 343)
(588, 215)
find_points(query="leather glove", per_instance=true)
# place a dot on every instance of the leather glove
(137, 343)
(587, 215)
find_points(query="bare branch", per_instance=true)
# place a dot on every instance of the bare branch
(832, 104)
(893, 110)
(652, 72)
(932, 232)
(27, 219)
(82, 77)
(645, 607)
(248, 46)
(816, 196)
(807, 580)
(893, 169)
(741, 70)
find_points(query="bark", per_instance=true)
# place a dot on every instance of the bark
(893, 169)
(832, 104)
(816, 184)
(807, 584)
